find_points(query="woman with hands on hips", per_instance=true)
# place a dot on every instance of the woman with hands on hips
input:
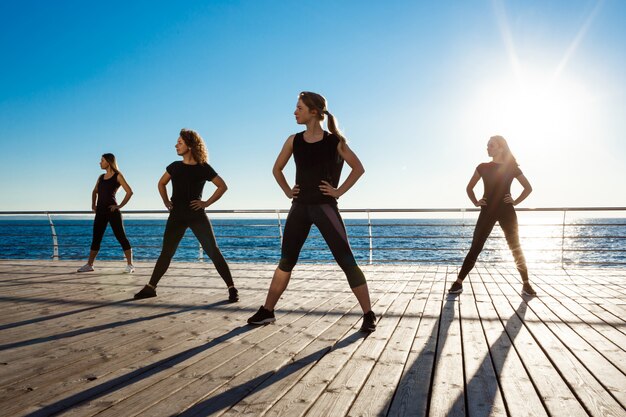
(187, 210)
(319, 156)
(104, 204)
(496, 205)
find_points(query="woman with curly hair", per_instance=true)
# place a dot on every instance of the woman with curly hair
(319, 156)
(187, 210)
(104, 204)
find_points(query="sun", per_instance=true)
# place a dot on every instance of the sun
(532, 109)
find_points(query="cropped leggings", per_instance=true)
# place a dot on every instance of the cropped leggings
(328, 220)
(177, 224)
(104, 217)
(505, 215)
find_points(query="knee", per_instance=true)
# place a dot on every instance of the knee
(286, 264)
(355, 276)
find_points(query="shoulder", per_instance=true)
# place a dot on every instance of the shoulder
(173, 166)
(332, 138)
(208, 170)
(483, 166)
(516, 171)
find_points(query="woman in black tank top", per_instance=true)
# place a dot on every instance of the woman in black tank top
(104, 204)
(496, 205)
(319, 158)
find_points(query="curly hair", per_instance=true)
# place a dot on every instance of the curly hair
(195, 143)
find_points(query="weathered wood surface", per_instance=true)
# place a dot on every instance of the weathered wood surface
(79, 345)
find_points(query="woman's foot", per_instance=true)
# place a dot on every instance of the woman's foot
(233, 294)
(85, 268)
(129, 269)
(455, 288)
(263, 316)
(146, 292)
(527, 289)
(369, 322)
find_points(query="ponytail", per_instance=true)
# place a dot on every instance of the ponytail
(334, 128)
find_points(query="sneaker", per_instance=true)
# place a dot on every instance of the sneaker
(146, 292)
(369, 322)
(85, 268)
(455, 288)
(129, 269)
(527, 289)
(233, 294)
(263, 316)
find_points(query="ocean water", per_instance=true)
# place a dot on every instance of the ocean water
(585, 241)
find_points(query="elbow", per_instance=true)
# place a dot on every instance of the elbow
(529, 189)
(224, 188)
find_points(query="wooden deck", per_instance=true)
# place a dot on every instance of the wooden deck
(78, 345)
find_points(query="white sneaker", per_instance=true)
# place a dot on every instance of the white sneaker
(85, 268)
(129, 269)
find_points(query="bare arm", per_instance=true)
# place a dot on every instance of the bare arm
(165, 179)
(356, 172)
(129, 193)
(470, 190)
(525, 192)
(279, 165)
(217, 194)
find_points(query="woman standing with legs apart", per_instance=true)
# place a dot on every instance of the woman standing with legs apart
(319, 157)
(496, 206)
(187, 210)
(108, 211)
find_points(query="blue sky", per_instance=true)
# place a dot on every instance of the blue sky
(418, 88)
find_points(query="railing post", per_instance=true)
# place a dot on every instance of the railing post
(200, 257)
(280, 227)
(369, 229)
(55, 241)
(563, 239)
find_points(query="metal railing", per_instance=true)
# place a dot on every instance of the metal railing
(414, 235)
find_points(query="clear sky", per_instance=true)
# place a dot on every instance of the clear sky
(418, 88)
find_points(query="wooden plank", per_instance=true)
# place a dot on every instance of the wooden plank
(593, 396)
(413, 389)
(298, 400)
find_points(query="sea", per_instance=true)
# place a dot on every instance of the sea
(582, 242)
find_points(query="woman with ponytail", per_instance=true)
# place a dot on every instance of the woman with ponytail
(496, 205)
(319, 156)
(108, 211)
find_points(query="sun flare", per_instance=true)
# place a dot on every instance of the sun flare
(534, 109)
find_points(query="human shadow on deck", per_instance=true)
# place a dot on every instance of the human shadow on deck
(58, 315)
(134, 376)
(107, 326)
(233, 395)
(413, 395)
(480, 394)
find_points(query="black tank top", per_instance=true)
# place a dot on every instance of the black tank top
(316, 162)
(106, 192)
(497, 179)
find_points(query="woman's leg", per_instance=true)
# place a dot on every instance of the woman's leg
(297, 227)
(202, 229)
(174, 232)
(117, 224)
(509, 225)
(484, 226)
(330, 224)
(100, 222)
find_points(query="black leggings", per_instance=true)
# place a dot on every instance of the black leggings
(505, 215)
(328, 220)
(177, 224)
(100, 224)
